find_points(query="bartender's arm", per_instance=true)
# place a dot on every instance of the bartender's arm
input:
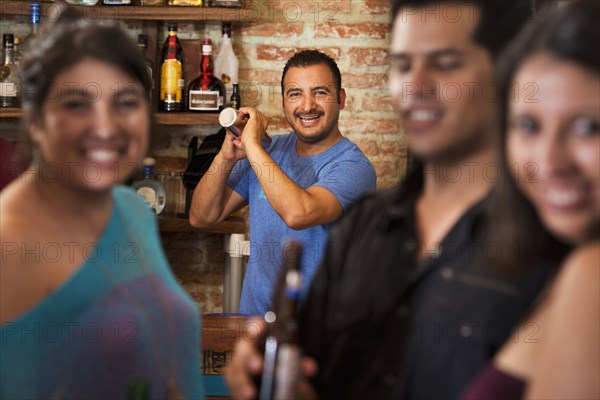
(213, 200)
(300, 208)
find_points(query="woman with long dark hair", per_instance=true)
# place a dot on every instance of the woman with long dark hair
(551, 145)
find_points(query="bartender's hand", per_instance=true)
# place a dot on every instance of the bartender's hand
(246, 367)
(232, 150)
(256, 127)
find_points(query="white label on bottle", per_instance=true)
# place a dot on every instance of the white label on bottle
(205, 100)
(8, 89)
(149, 195)
(288, 371)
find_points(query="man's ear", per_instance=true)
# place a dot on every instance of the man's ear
(342, 98)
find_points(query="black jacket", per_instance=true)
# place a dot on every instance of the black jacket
(383, 326)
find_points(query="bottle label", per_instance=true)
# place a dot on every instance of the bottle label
(287, 372)
(149, 195)
(8, 89)
(170, 81)
(4, 72)
(208, 100)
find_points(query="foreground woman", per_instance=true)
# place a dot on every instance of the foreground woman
(88, 305)
(552, 142)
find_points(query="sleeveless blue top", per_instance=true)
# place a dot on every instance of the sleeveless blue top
(120, 325)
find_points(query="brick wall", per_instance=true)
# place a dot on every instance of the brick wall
(354, 32)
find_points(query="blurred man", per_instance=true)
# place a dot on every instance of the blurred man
(405, 304)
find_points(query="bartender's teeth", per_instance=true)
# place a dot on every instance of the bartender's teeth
(309, 118)
(423, 115)
(102, 155)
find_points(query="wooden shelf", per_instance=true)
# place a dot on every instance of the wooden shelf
(10, 113)
(233, 224)
(189, 118)
(138, 13)
(182, 118)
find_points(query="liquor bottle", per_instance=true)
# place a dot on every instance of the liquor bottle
(116, 2)
(149, 188)
(197, 3)
(281, 367)
(34, 20)
(206, 92)
(171, 72)
(17, 53)
(142, 43)
(226, 63)
(235, 100)
(10, 83)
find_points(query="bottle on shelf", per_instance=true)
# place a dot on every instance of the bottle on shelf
(171, 72)
(281, 368)
(235, 100)
(226, 63)
(153, 2)
(197, 3)
(10, 83)
(206, 93)
(116, 2)
(149, 188)
(17, 53)
(34, 20)
(142, 43)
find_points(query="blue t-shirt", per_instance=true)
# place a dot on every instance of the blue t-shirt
(119, 321)
(342, 169)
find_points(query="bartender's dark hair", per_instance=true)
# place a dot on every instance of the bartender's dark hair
(500, 20)
(306, 58)
(70, 39)
(567, 34)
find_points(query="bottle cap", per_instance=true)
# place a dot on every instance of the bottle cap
(207, 46)
(143, 40)
(148, 161)
(172, 26)
(226, 29)
(34, 13)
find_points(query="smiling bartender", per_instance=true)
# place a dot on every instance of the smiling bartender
(296, 186)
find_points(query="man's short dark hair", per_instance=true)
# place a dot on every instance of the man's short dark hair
(499, 23)
(307, 58)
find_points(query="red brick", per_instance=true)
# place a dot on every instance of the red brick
(368, 56)
(387, 168)
(276, 53)
(376, 7)
(365, 81)
(279, 30)
(377, 102)
(393, 148)
(380, 126)
(358, 31)
(369, 147)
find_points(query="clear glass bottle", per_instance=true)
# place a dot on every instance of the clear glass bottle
(34, 20)
(10, 83)
(226, 63)
(17, 53)
(171, 72)
(149, 188)
(206, 93)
